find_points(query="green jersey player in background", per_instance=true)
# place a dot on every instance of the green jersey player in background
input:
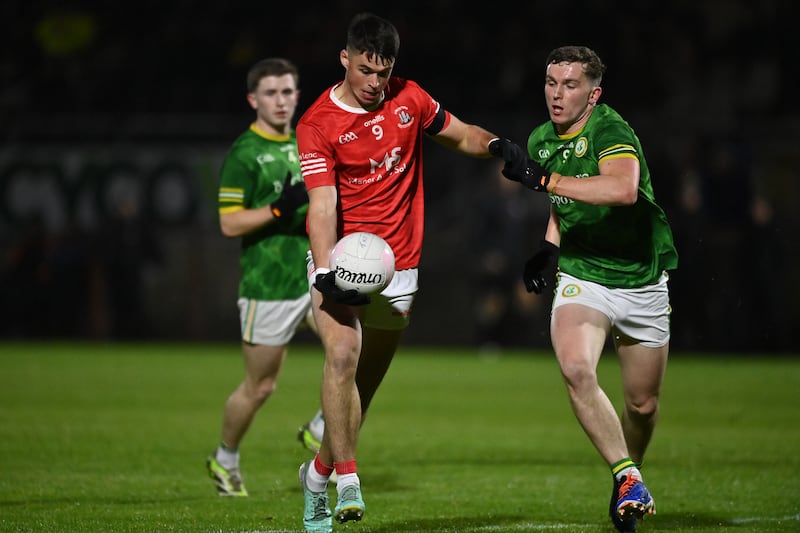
(614, 248)
(263, 201)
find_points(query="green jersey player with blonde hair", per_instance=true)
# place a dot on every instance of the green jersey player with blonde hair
(614, 248)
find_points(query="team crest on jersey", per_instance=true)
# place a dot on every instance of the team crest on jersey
(404, 117)
(570, 291)
(580, 146)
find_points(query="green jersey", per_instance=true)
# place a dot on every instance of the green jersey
(616, 246)
(273, 258)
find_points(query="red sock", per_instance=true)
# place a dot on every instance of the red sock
(322, 469)
(347, 467)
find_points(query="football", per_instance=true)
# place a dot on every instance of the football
(362, 261)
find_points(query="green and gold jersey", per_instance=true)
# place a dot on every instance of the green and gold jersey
(273, 258)
(616, 246)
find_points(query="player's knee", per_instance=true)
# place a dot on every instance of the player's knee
(342, 361)
(263, 390)
(643, 408)
(578, 374)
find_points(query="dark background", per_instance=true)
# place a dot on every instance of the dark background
(114, 120)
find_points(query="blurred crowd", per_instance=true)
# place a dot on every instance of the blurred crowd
(704, 84)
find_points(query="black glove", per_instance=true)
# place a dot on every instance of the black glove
(519, 167)
(292, 197)
(533, 276)
(515, 157)
(326, 284)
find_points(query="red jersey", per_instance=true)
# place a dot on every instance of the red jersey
(374, 159)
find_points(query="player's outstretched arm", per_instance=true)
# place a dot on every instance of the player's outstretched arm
(468, 139)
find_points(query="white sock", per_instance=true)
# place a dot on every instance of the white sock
(317, 425)
(315, 481)
(228, 458)
(347, 479)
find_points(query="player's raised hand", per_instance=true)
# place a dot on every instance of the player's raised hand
(292, 197)
(325, 282)
(533, 275)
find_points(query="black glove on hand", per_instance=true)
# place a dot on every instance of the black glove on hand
(533, 276)
(292, 197)
(515, 157)
(535, 177)
(325, 282)
(518, 166)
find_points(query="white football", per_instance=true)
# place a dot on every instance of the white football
(362, 261)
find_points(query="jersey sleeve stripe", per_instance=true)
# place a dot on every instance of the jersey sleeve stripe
(307, 172)
(317, 161)
(231, 195)
(625, 155)
(313, 166)
(611, 150)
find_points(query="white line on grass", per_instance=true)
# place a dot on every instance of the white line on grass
(789, 518)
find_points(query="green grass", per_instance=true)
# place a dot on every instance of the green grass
(114, 437)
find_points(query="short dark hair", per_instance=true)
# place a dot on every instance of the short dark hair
(375, 36)
(273, 66)
(592, 64)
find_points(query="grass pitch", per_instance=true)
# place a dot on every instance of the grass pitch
(114, 437)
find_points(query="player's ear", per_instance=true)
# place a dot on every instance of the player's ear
(594, 96)
(343, 59)
(251, 99)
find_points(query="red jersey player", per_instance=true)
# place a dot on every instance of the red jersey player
(360, 147)
(374, 160)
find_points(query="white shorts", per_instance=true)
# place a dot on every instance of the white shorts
(391, 308)
(640, 314)
(272, 323)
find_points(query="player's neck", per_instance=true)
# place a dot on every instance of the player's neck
(271, 130)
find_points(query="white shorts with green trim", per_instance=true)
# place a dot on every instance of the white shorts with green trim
(272, 323)
(640, 314)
